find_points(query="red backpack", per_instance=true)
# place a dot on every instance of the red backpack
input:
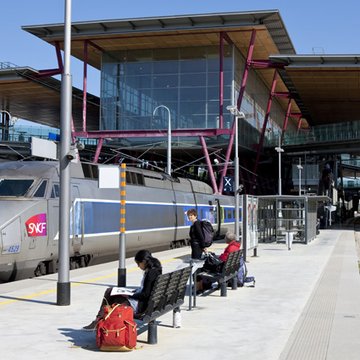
(116, 331)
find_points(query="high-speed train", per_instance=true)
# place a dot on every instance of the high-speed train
(155, 215)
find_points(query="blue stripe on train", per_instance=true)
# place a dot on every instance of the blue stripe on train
(103, 217)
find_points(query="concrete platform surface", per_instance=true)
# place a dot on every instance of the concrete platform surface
(305, 305)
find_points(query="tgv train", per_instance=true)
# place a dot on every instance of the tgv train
(155, 215)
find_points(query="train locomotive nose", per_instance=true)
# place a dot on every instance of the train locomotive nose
(13, 217)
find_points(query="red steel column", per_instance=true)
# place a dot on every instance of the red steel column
(85, 84)
(58, 55)
(239, 100)
(210, 168)
(286, 120)
(52, 72)
(268, 108)
(247, 68)
(98, 150)
(299, 124)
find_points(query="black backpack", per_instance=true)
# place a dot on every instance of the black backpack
(208, 232)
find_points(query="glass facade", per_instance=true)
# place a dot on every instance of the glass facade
(253, 105)
(186, 80)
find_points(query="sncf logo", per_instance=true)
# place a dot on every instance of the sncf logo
(36, 225)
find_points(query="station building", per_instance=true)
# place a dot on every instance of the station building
(189, 70)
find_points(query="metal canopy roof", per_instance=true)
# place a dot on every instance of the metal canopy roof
(326, 87)
(26, 95)
(170, 31)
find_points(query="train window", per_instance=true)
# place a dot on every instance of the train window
(91, 171)
(40, 192)
(130, 178)
(139, 179)
(55, 191)
(134, 178)
(14, 187)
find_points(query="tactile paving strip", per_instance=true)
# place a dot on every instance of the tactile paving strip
(310, 337)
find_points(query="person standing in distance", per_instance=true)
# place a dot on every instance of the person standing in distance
(196, 235)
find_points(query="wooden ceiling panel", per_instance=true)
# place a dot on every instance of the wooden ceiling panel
(263, 47)
(330, 95)
(18, 98)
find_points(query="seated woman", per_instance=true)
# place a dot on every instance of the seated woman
(139, 300)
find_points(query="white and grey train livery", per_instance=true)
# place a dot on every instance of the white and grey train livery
(155, 215)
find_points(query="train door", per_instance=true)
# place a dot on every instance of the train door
(76, 232)
(53, 219)
(173, 216)
(219, 217)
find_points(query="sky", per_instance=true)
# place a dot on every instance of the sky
(315, 27)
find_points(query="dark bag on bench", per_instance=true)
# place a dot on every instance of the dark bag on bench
(212, 263)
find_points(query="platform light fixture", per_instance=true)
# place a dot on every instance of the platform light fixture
(63, 284)
(279, 150)
(299, 168)
(7, 113)
(168, 170)
(238, 115)
(11, 122)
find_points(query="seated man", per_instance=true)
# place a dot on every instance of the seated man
(232, 245)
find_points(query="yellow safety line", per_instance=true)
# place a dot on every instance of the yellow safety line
(75, 284)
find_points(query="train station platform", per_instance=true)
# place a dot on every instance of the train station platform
(305, 305)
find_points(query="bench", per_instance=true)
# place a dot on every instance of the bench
(228, 274)
(167, 295)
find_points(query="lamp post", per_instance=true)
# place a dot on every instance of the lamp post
(238, 115)
(279, 150)
(5, 128)
(12, 119)
(168, 170)
(7, 113)
(299, 168)
(63, 284)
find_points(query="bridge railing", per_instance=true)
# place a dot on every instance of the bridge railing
(342, 132)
